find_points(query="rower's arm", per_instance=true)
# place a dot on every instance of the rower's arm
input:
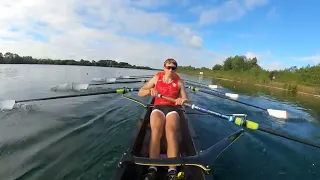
(183, 92)
(145, 90)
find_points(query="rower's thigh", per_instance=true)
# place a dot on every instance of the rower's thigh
(157, 120)
(172, 121)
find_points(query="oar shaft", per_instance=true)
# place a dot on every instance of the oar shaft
(192, 106)
(144, 76)
(195, 82)
(117, 82)
(197, 89)
(78, 95)
(288, 137)
(225, 97)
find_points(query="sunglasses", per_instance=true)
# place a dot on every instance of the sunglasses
(171, 67)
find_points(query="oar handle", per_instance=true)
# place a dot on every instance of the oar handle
(173, 100)
(198, 108)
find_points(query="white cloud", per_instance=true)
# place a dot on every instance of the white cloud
(272, 66)
(259, 55)
(228, 11)
(272, 13)
(314, 58)
(251, 55)
(105, 34)
(265, 60)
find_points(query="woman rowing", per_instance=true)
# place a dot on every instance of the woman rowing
(165, 113)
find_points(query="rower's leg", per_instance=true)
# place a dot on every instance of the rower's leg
(172, 129)
(157, 120)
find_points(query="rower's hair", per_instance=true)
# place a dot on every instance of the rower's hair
(170, 60)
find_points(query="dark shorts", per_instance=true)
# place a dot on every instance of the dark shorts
(166, 109)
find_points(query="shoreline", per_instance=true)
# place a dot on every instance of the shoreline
(149, 69)
(300, 89)
(279, 88)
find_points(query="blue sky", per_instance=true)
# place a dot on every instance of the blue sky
(283, 32)
(145, 32)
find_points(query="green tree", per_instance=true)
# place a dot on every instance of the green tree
(227, 64)
(217, 67)
(1, 58)
(10, 58)
(238, 63)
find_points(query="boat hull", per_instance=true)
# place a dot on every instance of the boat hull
(195, 165)
(139, 146)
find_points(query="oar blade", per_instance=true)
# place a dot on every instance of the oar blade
(211, 86)
(7, 104)
(112, 80)
(231, 95)
(98, 79)
(278, 113)
(79, 87)
(126, 77)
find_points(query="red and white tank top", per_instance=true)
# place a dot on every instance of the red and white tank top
(170, 89)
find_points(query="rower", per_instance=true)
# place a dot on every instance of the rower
(165, 113)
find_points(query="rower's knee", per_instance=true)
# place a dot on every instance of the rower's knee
(172, 125)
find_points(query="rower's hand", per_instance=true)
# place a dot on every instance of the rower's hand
(180, 101)
(153, 92)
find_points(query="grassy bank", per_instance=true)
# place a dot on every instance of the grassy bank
(247, 70)
(258, 78)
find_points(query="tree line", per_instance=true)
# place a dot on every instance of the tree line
(11, 58)
(248, 68)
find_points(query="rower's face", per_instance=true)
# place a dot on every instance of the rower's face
(170, 68)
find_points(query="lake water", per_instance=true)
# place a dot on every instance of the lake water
(82, 138)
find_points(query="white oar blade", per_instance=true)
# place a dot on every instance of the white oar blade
(62, 87)
(112, 80)
(7, 104)
(233, 96)
(126, 77)
(98, 80)
(278, 113)
(211, 86)
(79, 87)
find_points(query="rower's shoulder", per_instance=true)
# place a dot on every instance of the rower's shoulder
(180, 82)
(155, 78)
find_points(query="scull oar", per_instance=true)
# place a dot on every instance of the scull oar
(78, 87)
(272, 112)
(120, 77)
(242, 122)
(211, 86)
(9, 104)
(231, 95)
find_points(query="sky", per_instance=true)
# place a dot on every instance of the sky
(279, 33)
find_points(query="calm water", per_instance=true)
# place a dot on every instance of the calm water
(82, 138)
